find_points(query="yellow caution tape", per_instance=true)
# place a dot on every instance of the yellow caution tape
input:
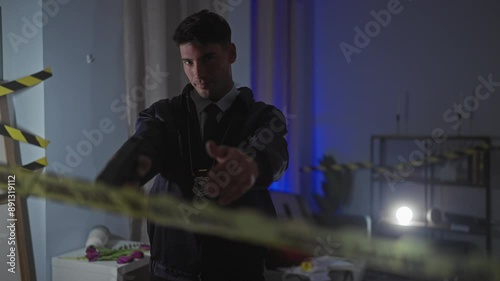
(25, 82)
(202, 216)
(387, 169)
(23, 136)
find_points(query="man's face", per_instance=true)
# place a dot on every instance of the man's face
(208, 68)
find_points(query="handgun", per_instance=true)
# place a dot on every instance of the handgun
(122, 167)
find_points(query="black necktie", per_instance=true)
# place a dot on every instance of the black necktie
(210, 126)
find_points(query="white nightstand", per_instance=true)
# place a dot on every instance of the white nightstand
(82, 270)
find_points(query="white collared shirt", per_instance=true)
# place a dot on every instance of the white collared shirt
(224, 103)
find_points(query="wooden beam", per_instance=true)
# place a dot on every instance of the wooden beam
(23, 232)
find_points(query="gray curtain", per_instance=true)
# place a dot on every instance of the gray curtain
(283, 75)
(153, 69)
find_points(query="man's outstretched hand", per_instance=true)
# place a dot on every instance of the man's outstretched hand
(234, 174)
(144, 165)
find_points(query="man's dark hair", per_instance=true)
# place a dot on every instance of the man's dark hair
(201, 28)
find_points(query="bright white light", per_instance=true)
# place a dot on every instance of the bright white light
(404, 215)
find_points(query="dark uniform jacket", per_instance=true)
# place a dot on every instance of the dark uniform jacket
(170, 131)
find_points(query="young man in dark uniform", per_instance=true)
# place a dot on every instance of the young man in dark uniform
(213, 142)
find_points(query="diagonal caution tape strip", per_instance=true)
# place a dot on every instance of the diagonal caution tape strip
(404, 257)
(389, 169)
(25, 82)
(36, 165)
(23, 136)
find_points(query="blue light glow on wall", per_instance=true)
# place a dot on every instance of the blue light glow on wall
(279, 93)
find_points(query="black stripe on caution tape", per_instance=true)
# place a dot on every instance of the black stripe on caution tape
(23, 136)
(36, 165)
(25, 82)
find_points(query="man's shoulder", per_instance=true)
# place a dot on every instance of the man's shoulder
(247, 96)
(259, 110)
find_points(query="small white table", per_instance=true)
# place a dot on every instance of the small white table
(82, 270)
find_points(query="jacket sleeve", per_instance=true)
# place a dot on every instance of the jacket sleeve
(156, 127)
(150, 139)
(268, 146)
